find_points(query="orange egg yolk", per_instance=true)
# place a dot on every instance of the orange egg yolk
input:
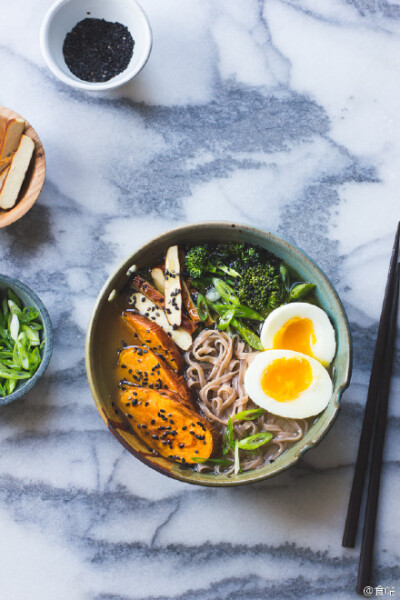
(297, 334)
(284, 379)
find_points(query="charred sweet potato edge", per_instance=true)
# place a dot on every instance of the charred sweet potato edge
(142, 367)
(168, 426)
(153, 336)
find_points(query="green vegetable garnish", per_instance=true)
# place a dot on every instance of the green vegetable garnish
(247, 313)
(19, 343)
(228, 437)
(300, 290)
(249, 415)
(247, 334)
(198, 262)
(255, 441)
(237, 468)
(202, 307)
(285, 277)
(226, 292)
(226, 319)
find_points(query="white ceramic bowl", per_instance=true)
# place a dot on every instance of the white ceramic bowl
(65, 14)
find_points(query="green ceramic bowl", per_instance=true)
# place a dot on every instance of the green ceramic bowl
(29, 298)
(99, 360)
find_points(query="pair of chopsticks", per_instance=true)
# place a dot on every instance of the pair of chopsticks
(373, 428)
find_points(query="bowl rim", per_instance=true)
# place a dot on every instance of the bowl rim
(48, 347)
(124, 266)
(87, 85)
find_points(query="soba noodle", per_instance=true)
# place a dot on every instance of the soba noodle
(217, 363)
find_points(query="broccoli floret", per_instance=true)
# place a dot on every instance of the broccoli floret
(260, 287)
(237, 255)
(197, 260)
(200, 261)
(254, 273)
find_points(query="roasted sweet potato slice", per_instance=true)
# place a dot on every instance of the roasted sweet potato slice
(141, 366)
(168, 426)
(153, 336)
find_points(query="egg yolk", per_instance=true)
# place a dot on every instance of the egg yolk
(284, 379)
(297, 334)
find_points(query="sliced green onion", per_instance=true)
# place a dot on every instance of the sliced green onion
(226, 318)
(247, 334)
(249, 415)
(202, 307)
(34, 359)
(29, 314)
(14, 326)
(226, 292)
(247, 313)
(255, 441)
(14, 308)
(300, 290)
(229, 271)
(213, 295)
(237, 468)
(227, 442)
(10, 385)
(20, 342)
(13, 373)
(31, 334)
(285, 277)
(14, 298)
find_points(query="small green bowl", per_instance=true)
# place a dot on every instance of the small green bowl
(99, 339)
(29, 298)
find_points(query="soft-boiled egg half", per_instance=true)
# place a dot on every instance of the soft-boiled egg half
(289, 384)
(301, 327)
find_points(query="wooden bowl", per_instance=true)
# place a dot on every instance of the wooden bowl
(34, 178)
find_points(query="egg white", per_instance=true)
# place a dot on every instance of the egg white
(323, 349)
(308, 403)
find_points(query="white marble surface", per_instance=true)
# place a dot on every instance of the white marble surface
(284, 114)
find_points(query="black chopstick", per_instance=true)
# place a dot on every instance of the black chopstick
(353, 511)
(367, 544)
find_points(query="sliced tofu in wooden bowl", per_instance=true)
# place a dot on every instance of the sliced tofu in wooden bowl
(22, 166)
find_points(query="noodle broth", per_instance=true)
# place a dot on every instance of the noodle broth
(215, 368)
(106, 333)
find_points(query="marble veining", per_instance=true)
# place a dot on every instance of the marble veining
(282, 114)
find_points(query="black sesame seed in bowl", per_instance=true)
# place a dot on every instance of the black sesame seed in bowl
(95, 47)
(98, 50)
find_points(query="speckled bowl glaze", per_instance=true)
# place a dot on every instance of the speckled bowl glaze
(98, 371)
(29, 298)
